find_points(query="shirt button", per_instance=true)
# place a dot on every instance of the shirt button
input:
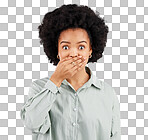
(74, 109)
(74, 124)
(75, 94)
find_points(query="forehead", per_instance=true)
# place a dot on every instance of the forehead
(74, 34)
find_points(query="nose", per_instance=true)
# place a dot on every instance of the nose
(73, 54)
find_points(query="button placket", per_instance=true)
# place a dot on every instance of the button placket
(73, 123)
(75, 109)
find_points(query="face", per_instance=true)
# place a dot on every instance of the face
(74, 42)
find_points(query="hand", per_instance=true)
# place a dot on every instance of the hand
(66, 69)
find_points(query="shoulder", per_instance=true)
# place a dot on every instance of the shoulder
(105, 87)
(102, 84)
(40, 83)
(37, 85)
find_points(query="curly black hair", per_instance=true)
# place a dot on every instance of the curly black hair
(72, 16)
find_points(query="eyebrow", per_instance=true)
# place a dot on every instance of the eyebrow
(70, 43)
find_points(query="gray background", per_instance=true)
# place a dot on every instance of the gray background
(124, 64)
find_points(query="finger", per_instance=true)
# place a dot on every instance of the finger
(65, 59)
(77, 58)
(77, 67)
(70, 60)
(82, 64)
(78, 61)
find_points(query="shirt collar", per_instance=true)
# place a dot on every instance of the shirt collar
(92, 81)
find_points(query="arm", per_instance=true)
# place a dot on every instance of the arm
(34, 112)
(115, 129)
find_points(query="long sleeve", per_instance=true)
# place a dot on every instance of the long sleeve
(115, 129)
(34, 112)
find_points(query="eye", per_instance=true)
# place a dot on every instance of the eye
(79, 46)
(64, 46)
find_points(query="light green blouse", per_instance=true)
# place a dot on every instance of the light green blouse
(90, 113)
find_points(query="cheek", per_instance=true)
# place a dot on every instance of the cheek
(61, 54)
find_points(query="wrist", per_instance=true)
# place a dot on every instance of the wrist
(57, 81)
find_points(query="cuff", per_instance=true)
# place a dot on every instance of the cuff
(51, 86)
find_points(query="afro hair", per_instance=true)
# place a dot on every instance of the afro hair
(72, 16)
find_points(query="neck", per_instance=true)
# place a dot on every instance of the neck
(79, 78)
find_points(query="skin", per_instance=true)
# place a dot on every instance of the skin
(73, 49)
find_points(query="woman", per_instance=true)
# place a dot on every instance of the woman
(72, 103)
